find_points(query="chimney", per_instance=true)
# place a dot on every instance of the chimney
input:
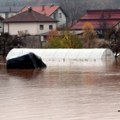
(51, 5)
(10, 9)
(43, 7)
(29, 9)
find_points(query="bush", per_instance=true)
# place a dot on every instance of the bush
(64, 40)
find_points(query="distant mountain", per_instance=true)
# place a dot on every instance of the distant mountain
(91, 4)
(74, 8)
(22, 2)
(13, 2)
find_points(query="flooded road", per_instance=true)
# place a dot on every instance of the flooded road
(61, 93)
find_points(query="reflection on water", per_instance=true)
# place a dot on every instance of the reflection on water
(25, 74)
(61, 93)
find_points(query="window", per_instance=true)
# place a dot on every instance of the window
(60, 15)
(54, 16)
(50, 27)
(41, 27)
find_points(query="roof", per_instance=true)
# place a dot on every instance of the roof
(43, 9)
(96, 24)
(98, 17)
(10, 9)
(98, 14)
(29, 16)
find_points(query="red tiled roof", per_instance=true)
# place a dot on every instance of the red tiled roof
(96, 24)
(29, 16)
(110, 18)
(46, 10)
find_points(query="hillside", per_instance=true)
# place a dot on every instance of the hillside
(74, 8)
(88, 3)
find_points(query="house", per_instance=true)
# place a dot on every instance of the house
(6, 12)
(29, 22)
(53, 11)
(102, 20)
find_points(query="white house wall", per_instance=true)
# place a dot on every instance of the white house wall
(13, 28)
(61, 20)
(2, 15)
(46, 27)
(11, 14)
(32, 28)
(1, 26)
(7, 15)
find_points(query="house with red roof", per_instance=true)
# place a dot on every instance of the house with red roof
(102, 20)
(30, 22)
(53, 11)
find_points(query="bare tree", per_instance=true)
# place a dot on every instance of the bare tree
(103, 24)
(73, 8)
(114, 37)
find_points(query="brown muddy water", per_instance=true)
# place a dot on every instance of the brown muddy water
(61, 93)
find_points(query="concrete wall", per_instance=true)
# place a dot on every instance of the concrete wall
(31, 28)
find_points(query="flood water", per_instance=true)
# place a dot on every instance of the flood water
(61, 93)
